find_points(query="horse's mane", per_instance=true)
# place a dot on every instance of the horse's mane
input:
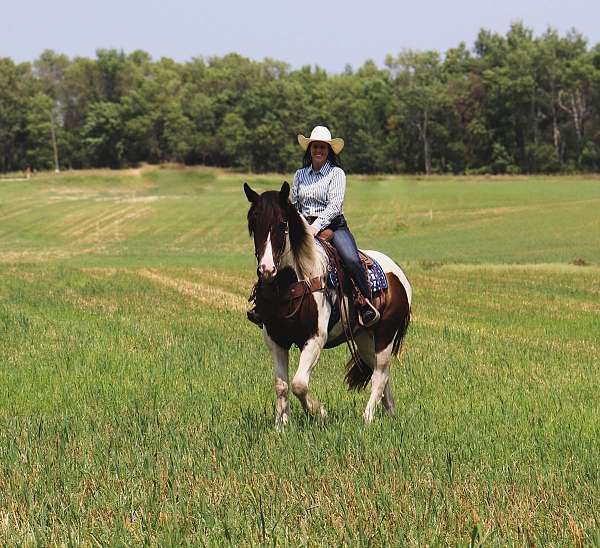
(302, 243)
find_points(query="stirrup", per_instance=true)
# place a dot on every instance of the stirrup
(374, 320)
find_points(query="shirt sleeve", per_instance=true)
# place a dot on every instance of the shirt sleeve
(294, 196)
(335, 200)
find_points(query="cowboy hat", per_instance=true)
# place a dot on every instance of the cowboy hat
(321, 133)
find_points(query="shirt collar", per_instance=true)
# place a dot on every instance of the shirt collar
(325, 168)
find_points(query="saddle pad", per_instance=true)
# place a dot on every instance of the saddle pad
(377, 279)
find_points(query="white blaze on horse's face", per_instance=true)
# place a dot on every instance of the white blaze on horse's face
(266, 265)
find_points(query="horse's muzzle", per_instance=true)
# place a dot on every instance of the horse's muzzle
(267, 274)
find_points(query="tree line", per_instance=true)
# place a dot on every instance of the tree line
(514, 103)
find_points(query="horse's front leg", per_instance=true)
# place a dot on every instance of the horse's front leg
(280, 372)
(308, 358)
(309, 355)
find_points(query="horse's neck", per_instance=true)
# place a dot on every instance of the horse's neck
(310, 262)
(317, 264)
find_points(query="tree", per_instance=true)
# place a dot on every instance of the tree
(16, 85)
(512, 103)
(102, 135)
(420, 94)
(39, 149)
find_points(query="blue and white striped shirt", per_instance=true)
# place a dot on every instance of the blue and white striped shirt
(319, 193)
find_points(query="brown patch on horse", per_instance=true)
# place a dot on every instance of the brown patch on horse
(395, 318)
(284, 330)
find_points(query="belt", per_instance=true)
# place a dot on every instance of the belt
(335, 222)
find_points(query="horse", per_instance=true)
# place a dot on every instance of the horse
(296, 304)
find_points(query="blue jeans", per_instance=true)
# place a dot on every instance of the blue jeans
(346, 247)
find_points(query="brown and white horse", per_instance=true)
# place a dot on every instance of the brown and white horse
(286, 253)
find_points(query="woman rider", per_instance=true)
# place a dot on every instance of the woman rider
(318, 194)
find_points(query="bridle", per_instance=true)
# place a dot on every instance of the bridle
(277, 256)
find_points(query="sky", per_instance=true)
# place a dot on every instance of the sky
(330, 34)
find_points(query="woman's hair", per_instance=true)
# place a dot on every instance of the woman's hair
(332, 157)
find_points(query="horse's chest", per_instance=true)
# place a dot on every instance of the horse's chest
(290, 322)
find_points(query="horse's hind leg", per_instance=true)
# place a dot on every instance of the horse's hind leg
(308, 358)
(379, 384)
(388, 399)
(280, 358)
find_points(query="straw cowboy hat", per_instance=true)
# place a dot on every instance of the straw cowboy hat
(321, 133)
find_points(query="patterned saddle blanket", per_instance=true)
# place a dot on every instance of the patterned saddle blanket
(377, 278)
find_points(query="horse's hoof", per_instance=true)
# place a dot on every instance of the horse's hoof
(323, 412)
(281, 423)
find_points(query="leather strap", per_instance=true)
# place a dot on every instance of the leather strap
(365, 259)
(304, 287)
(298, 290)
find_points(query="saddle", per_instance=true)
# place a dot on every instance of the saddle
(290, 296)
(377, 281)
(326, 236)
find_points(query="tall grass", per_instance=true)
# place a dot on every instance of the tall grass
(136, 403)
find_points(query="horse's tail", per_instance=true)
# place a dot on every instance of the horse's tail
(399, 336)
(406, 306)
(358, 373)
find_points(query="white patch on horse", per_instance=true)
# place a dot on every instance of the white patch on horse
(267, 262)
(380, 385)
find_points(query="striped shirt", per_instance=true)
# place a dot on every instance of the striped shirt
(319, 193)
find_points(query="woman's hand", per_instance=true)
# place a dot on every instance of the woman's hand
(313, 231)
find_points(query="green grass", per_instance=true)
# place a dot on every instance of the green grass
(136, 403)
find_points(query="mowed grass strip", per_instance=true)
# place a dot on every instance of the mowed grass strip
(137, 402)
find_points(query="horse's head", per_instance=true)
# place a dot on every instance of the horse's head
(268, 223)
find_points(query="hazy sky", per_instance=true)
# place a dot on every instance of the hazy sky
(328, 33)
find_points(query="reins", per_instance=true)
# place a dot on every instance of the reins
(333, 259)
(286, 231)
(277, 257)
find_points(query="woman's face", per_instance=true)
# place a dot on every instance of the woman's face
(318, 152)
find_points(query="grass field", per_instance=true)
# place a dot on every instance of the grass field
(136, 402)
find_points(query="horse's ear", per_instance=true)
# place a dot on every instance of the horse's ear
(284, 194)
(250, 194)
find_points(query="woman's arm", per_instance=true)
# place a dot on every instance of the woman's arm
(335, 200)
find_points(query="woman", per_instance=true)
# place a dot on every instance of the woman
(318, 194)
